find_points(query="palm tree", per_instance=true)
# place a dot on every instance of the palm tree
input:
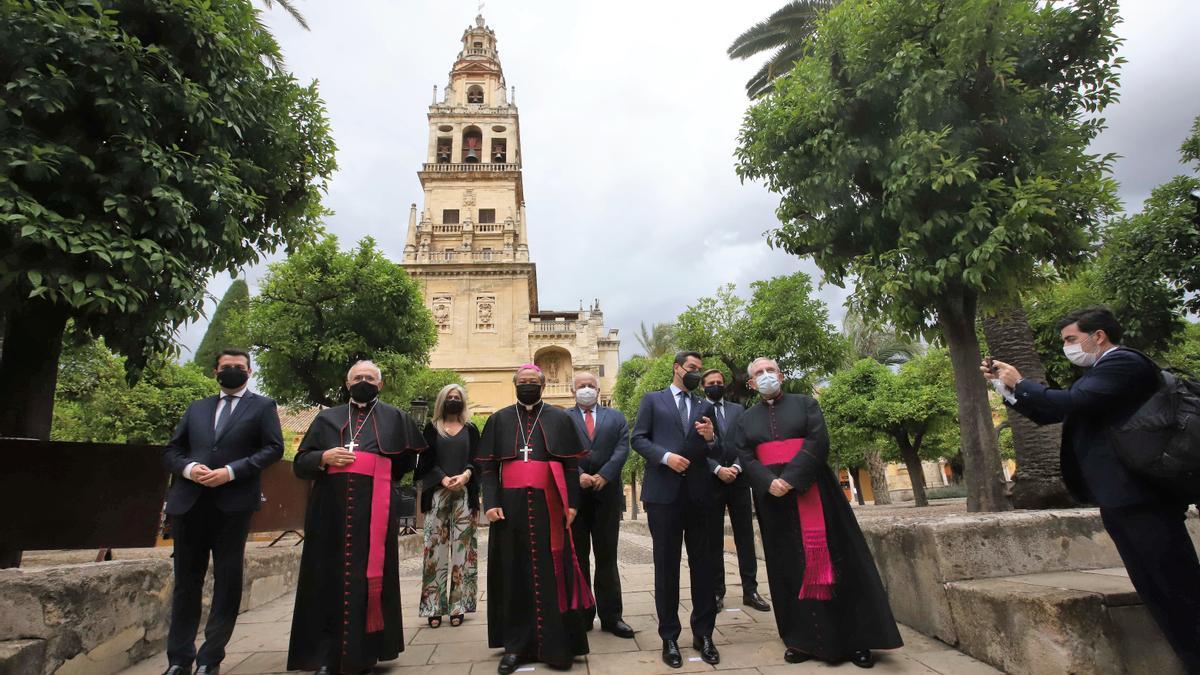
(785, 32)
(658, 340)
(289, 7)
(889, 346)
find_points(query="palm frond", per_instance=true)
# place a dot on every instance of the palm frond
(290, 8)
(779, 64)
(792, 22)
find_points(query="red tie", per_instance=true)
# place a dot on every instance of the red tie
(590, 424)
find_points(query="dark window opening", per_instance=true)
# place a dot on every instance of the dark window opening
(499, 150)
(487, 216)
(479, 45)
(444, 149)
(472, 145)
(449, 216)
(475, 94)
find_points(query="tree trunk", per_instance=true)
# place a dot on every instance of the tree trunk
(633, 506)
(878, 471)
(981, 456)
(916, 473)
(1038, 481)
(28, 375)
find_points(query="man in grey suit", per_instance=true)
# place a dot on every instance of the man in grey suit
(733, 492)
(597, 524)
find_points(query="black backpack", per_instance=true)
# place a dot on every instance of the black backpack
(1160, 441)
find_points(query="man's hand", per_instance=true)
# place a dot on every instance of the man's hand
(337, 457)
(1000, 370)
(779, 487)
(494, 514)
(570, 516)
(727, 474)
(453, 483)
(586, 480)
(705, 428)
(199, 472)
(215, 477)
(598, 482)
(678, 462)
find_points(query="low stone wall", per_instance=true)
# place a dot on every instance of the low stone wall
(99, 618)
(918, 557)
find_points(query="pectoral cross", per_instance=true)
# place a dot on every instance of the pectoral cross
(525, 452)
(352, 445)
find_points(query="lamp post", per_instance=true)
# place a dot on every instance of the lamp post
(418, 408)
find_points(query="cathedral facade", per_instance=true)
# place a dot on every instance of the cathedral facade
(468, 247)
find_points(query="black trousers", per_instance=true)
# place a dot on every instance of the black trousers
(203, 530)
(1162, 564)
(737, 499)
(671, 527)
(596, 527)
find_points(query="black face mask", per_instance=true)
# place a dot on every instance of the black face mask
(364, 392)
(528, 394)
(452, 406)
(232, 378)
(691, 380)
(714, 392)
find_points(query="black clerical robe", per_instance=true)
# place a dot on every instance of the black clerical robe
(347, 613)
(829, 601)
(535, 589)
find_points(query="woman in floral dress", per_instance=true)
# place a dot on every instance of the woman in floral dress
(450, 502)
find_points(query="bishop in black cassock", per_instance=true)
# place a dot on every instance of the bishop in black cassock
(347, 614)
(528, 455)
(829, 601)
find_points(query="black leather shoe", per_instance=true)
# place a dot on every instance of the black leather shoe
(671, 655)
(618, 628)
(795, 656)
(176, 670)
(708, 651)
(863, 659)
(756, 601)
(720, 602)
(324, 670)
(508, 663)
(209, 670)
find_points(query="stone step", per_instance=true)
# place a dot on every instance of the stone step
(1081, 622)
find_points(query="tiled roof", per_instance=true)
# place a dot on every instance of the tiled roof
(297, 420)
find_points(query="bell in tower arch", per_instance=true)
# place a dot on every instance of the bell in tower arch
(472, 148)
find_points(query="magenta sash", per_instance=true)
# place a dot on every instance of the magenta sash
(379, 468)
(818, 566)
(551, 479)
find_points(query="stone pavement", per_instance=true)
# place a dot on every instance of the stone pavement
(747, 638)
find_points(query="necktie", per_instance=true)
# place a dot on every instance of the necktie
(721, 416)
(590, 423)
(223, 418)
(683, 409)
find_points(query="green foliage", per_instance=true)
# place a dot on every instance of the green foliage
(948, 492)
(869, 406)
(320, 310)
(784, 33)
(1184, 353)
(934, 150)
(227, 327)
(145, 145)
(94, 402)
(783, 320)
(404, 382)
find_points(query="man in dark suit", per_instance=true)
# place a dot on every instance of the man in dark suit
(1146, 524)
(238, 433)
(597, 525)
(733, 493)
(673, 431)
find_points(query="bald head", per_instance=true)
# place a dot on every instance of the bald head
(585, 379)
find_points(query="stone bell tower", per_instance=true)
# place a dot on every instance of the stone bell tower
(468, 244)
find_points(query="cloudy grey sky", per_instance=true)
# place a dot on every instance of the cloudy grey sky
(629, 118)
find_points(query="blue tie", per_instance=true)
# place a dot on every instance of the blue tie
(683, 410)
(223, 418)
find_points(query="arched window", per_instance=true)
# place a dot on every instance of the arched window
(475, 94)
(472, 145)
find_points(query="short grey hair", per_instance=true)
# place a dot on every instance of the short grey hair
(372, 364)
(750, 368)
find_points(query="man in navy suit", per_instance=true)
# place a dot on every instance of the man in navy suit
(674, 430)
(1147, 525)
(733, 492)
(215, 457)
(597, 525)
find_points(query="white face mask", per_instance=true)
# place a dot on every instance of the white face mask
(767, 383)
(1078, 356)
(586, 396)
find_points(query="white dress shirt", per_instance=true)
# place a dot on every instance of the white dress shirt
(221, 403)
(675, 392)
